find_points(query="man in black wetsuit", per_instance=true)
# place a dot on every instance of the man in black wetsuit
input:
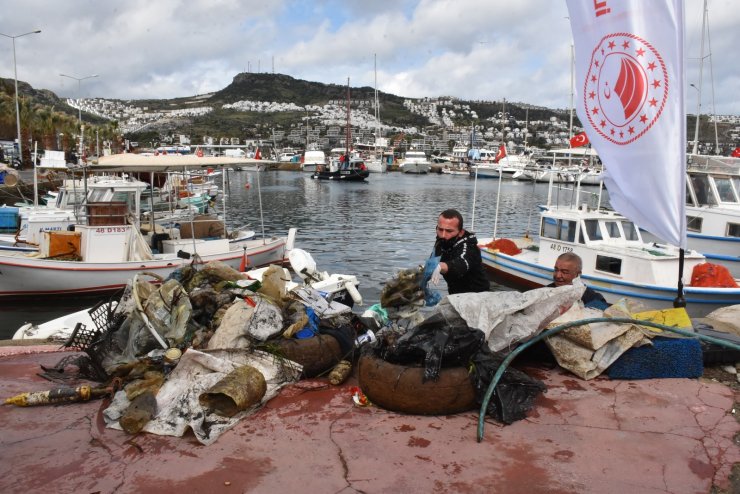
(567, 267)
(460, 263)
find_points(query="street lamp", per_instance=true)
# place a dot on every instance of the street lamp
(17, 112)
(79, 105)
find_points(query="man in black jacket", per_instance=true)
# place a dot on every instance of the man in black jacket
(567, 267)
(460, 262)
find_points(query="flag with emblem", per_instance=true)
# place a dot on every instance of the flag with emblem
(629, 89)
(579, 140)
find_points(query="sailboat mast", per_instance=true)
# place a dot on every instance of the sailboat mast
(701, 72)
(348, 135)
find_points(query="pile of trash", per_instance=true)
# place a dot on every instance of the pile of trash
(209, 345)
(205, 347)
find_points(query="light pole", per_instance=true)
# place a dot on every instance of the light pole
(17, 112)
(79, 107)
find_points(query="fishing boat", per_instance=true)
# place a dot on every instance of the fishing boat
(713, 210)
(415, 162)
(617, 262)
(334, 287)
(112, 245)
(312, 159)
(348, 167)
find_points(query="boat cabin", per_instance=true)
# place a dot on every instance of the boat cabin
(610, 246)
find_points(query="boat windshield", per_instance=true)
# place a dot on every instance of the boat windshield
(630, 231)
(725, 190)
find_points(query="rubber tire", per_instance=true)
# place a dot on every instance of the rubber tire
(400, 388)
(316, 354)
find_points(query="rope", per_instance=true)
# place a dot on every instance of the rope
(558, 329)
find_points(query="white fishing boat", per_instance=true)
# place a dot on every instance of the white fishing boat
(415, 162)
(336, 287)
(313, 159)
(616, 261)
(107, 249)
(713, 210)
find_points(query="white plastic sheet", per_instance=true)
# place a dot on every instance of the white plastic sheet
(178, 407)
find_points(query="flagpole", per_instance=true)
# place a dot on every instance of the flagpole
(475, 192)
(680, 301)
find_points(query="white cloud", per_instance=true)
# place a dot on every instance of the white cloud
(473, 49)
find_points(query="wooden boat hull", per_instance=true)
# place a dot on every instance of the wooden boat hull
(23, 277)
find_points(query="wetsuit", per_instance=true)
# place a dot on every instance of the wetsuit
(464, 265)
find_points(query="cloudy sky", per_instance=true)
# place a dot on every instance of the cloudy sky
(471, 49)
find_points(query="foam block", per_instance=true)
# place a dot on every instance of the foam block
(667, 358)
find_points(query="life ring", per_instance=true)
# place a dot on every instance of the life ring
(400, 388)
(316, 354)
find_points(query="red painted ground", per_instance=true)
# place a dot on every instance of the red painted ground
(655, 436)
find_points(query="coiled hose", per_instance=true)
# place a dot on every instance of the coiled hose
(558, 329)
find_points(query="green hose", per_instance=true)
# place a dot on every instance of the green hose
(557, 329)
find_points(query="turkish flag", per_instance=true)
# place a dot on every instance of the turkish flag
(257, 154)
(500, 154)
(245, 262)
(199, 152)
(736, 153)
(579, 140)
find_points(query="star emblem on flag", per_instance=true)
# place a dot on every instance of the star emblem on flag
(625, 88)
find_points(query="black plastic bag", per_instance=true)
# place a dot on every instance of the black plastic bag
(515, 392)
(441, 342)
(435, 344)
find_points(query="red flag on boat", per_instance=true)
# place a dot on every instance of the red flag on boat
(736, 153)
(199, 152)
(579, 140)
(501, 153)
(257, 154)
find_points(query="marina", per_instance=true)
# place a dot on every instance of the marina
(478, 291)
(371, 229)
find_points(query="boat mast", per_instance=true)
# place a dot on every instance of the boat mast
(701, 73)
(349, 130)
(500, 168)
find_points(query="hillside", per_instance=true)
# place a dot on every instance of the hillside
(261, 106)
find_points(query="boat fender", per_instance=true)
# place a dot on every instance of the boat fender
(183, 255)
(353, 292)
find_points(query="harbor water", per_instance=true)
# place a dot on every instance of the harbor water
(369, 229)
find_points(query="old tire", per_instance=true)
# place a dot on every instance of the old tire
(400, 388)
(316, 354)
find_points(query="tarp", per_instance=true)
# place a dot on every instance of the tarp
(508, 318)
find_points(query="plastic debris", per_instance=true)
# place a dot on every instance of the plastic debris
(340, 372)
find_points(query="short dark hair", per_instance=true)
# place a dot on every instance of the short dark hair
(453, 213)
(574, 258)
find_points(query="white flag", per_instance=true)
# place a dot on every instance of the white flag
(629, 88)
